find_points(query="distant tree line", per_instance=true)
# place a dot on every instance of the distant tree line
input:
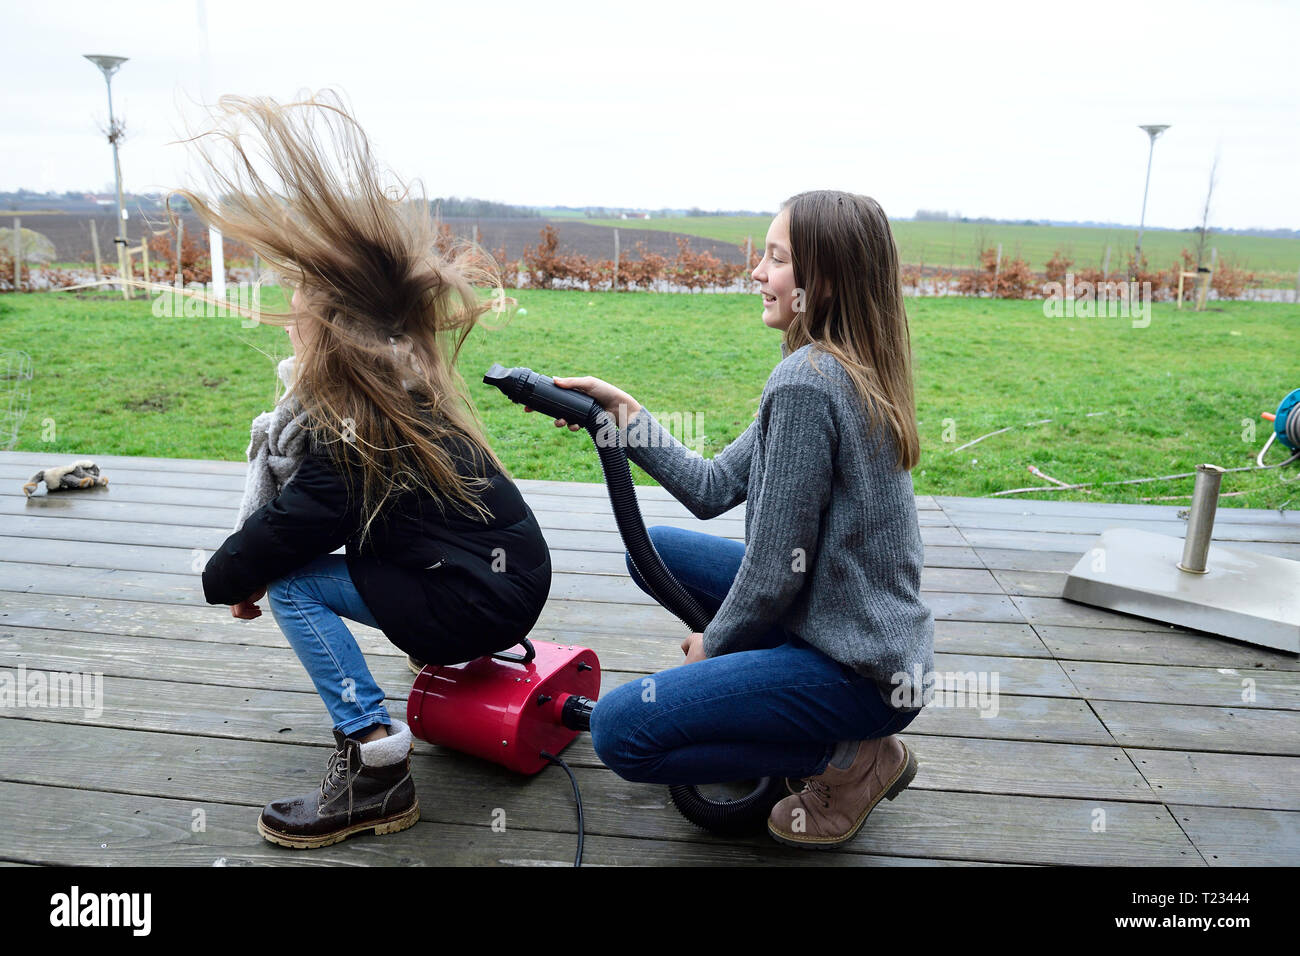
(454, 207)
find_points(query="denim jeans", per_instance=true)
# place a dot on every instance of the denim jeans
(309, 605)
(776, 710)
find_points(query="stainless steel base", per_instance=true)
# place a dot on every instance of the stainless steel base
(1244, 595)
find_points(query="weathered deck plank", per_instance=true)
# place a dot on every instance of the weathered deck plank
(1228, 836)
(241, 665)
(1179, 727)
(1079, 543)
(197, 621)
(1156, 683)
(297, 714)
(1049, 508)
(1164, 644)
(182, 560)
(1246, 525)
(97, 828)
(1223, 780)
(454, 789)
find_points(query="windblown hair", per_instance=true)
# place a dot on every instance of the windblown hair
(846, 262)
(382, 313)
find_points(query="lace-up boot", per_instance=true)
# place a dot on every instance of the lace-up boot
(832, 806)
(367, 788)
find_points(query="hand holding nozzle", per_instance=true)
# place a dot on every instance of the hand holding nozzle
(617, 403)
(570, 401)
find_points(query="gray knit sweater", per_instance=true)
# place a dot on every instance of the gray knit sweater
(833, 546)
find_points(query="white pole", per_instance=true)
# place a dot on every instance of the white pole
(1145, 189)
(1153, 132)
(216, 251)
(123, 258)
(218, 263)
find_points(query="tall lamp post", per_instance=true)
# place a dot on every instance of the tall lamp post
(1154, 132)
(109, 65)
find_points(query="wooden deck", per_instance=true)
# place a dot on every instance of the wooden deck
(1117, 740)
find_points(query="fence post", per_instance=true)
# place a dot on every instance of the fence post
(18, 254)
(180, 234)
(1204, 283)
(1105, 266)
(144, 257)
(217, 253)
(127, 253)
(997, 267)
(613, 285)
(94, 245)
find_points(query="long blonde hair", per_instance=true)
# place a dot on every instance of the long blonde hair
(387, 311)
(845, 260)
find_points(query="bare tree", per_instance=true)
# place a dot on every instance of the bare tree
(1203, 233)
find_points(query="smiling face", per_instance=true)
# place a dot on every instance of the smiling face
(775, 276)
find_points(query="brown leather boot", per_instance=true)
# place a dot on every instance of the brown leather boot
(355, 797)
(833, 805)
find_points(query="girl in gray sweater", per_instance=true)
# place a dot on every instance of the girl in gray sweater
(820, 645)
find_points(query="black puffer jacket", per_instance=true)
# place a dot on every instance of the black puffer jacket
(444, 587)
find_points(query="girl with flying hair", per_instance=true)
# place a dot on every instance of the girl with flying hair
(820, 646)
(442, 553)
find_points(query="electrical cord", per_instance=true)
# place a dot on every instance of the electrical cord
(577, 860)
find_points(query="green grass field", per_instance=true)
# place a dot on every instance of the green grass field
(957, 244)
(112, 379)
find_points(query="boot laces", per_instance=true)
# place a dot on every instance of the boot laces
(336, 772)
(818, 789)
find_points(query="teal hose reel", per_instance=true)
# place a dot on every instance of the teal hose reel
(1286, 427)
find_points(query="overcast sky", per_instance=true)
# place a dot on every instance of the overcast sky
(1023, 110)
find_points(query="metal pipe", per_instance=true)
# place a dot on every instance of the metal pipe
(1200, 520)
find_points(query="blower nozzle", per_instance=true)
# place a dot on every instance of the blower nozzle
(540, 393)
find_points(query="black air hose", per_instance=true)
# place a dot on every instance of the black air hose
(665, 588)
(539, 392)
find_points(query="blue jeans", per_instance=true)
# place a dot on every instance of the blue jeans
(777, 710)
(309, 605)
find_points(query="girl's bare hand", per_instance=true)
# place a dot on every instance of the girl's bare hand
(618, 403)
(693, 648)
(247, 609)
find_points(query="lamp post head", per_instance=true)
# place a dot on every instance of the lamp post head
(107, 64)
(1154, 131)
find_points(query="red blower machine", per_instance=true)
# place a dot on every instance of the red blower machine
(508, 708)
